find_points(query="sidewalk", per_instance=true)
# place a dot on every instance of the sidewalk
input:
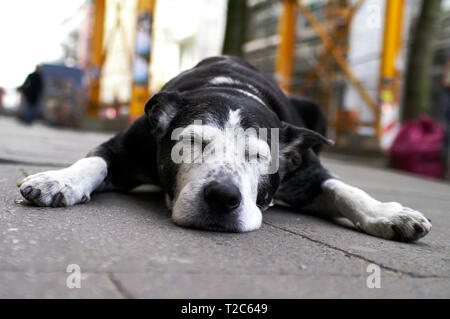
(127, 247)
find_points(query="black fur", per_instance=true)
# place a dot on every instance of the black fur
(311, 116)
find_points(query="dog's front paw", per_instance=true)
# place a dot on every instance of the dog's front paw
(51, 188)
(395, 222)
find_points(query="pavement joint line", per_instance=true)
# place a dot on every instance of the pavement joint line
(399, 273)
(119, 287)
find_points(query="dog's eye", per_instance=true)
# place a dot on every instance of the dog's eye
(256, 158)
(197, 142)
(262, 157)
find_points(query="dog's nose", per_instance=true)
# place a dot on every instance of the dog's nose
(222, 197)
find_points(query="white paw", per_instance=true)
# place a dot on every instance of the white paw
(52, 188)
(396, 222)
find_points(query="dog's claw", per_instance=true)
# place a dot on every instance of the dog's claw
(34, 194)
(58, 200)
(84, 199)
(27, 190)
(419, 228)
(399, 234)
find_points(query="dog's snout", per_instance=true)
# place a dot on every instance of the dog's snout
(222, 197)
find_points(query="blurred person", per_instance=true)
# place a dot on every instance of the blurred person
(32, 90)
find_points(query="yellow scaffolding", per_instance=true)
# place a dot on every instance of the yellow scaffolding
(389, 77)
(99, 53)
(96, 58)
(140, 91)
(285, 54)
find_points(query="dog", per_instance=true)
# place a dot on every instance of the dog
(196, 111)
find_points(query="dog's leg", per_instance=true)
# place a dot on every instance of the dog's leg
(385, 220)
(65, 187)
(124, 162)
(303, 178)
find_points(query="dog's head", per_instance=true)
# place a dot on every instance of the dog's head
(219, 162)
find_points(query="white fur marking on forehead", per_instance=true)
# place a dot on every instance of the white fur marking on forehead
(234, 118)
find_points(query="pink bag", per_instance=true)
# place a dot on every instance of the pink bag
(418, 146)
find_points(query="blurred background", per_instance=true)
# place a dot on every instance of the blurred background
(380, 69)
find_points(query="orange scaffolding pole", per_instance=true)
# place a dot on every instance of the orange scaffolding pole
(96, 58)
(392, 38)
(141, 62)
(286, 47)
(389, 87)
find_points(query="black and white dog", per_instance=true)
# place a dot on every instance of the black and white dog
(198, 109)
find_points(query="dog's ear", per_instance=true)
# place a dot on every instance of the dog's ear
(161, 109)
(296, 140)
